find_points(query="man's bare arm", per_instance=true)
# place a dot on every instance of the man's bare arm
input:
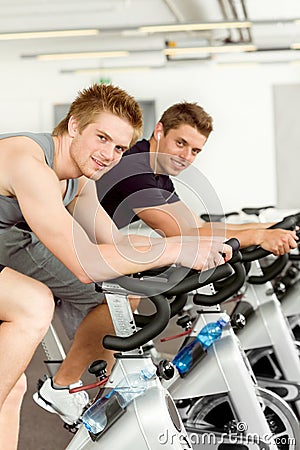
(176, 219)
(39, 194)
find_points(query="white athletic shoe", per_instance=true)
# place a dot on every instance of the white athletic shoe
(59, 401)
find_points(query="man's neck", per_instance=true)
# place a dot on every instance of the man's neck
(153, 155)
(62, 164)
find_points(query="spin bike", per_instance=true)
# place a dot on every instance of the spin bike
(287, 289)
(218, 398)
(267, 339)
(151, 420)
(286, 285)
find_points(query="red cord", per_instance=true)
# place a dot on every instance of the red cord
(236, 298)
(176, 336)
(88, 386)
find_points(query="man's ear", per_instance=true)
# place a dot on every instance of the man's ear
(72, 126)
(159, 131)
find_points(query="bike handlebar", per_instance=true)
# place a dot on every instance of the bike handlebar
(145, 334)
(176, 305)
(253, 253)
(271, 271)
(228, 287)
(182, 280)
(163, 312)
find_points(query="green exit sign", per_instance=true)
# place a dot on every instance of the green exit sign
(104, 81)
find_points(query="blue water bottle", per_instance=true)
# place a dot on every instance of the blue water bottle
(191, 353)
(131, 387)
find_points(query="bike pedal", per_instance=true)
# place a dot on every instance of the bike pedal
(72, 428)
(40, 382)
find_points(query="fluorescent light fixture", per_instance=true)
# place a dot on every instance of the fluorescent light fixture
(255, 63)
(212, 49)
(295, 46)
(240, 64)
(108, 69)
(78, 55)
(47, 34)
(193, 26)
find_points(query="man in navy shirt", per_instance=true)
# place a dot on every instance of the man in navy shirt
(140, 187)
(135, 185)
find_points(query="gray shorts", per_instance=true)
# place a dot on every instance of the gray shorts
(22, 251)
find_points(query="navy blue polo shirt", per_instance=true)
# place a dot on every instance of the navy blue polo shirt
(132, 184)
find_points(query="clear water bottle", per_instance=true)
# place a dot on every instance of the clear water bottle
(192, 352)
(131, 387)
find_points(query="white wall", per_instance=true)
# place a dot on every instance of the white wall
(238, 159)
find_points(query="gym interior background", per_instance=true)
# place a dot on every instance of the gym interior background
(238, 59)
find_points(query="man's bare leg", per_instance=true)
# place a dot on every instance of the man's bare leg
(87, 345)
(10, 416)
(26, 310)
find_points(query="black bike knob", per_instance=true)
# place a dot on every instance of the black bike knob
(280, 288)
(165, 369)
(98, 368)
(185, 321)
(292, 272)
(238, 321)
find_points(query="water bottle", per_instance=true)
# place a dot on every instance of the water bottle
(129, 388)
(191, 353)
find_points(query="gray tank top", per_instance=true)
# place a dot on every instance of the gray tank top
(10, 213)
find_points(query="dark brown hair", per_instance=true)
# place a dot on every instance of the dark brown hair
(189, 114)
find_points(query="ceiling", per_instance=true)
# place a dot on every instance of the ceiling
(116, 22)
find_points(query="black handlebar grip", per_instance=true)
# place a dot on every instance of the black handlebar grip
(227, 291)
(163, 311)
(294, 256)
(145, 334)
(235, 244)
(271, 271)
(200, 279)
(288, 223)
(176, 305)
(253, 253)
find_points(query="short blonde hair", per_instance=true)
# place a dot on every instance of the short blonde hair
(103, 98)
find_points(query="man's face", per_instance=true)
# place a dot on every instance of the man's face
(100, 146)
(177, 150)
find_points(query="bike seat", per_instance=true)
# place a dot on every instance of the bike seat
(255, 211)
(217, 217)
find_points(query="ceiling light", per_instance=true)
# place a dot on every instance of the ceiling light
(47, 34)
(108, 69)
(211, 49)
(295, 46)
(234, 64)
(78, 55)
(193, 26)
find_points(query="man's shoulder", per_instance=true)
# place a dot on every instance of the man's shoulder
(134, 162)
(141, 147)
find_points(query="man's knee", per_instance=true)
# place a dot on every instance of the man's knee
(39, 307)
